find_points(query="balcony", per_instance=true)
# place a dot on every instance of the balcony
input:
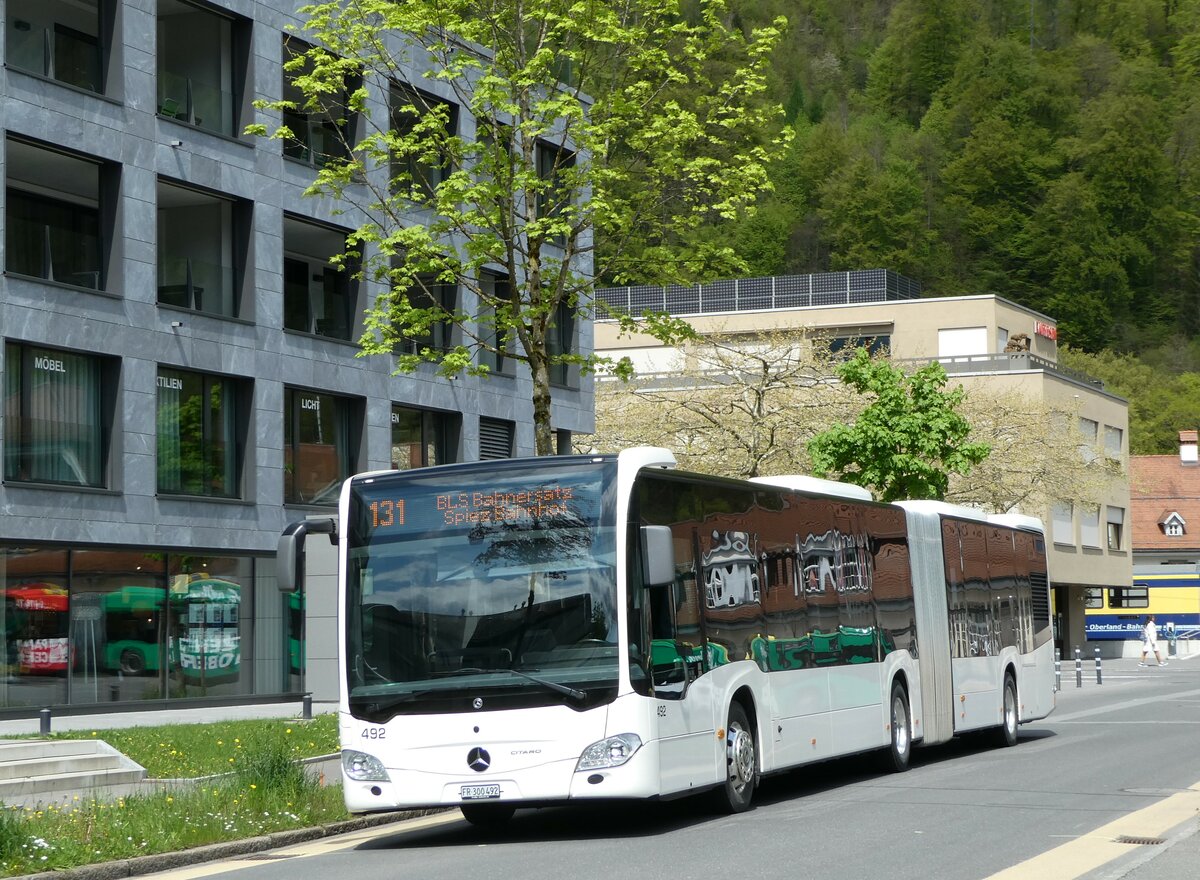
(1003, 362)
(195, 102)
(195, 284)
(57, 40)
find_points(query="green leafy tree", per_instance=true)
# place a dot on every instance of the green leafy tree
(908, 439)
(924, 39)
(602, 136)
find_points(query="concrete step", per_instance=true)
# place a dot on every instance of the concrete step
(17, 750)
(35, 769)
(84, 781)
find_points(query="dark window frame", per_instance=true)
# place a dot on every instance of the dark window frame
(347, 430)
(234, 394)
(18, 443)
(423, 176)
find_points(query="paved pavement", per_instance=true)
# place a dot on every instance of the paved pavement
(1177, 858)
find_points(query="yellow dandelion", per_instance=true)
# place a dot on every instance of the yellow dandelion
(252, 785)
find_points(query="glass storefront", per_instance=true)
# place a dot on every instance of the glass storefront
(102, 626)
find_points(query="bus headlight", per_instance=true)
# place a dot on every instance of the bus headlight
(611, 752)
(362, 767)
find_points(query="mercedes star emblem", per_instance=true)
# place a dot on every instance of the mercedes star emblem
(479, 760)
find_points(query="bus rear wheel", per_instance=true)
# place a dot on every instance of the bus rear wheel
(487, 815)
(900, 748)
(741, 760)
(1007, 734)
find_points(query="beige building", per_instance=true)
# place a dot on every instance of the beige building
(978, 339)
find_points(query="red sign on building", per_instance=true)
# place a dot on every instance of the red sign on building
(1041, 328)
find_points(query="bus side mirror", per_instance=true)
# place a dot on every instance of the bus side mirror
(658, 556)
(289, 556)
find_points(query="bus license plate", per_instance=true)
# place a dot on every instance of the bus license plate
(478, 792)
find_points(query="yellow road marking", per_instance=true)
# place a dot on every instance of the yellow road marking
(1089, 852)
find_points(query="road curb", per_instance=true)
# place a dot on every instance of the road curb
(151, 864)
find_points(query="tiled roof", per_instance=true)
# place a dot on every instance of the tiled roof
(1160, 485)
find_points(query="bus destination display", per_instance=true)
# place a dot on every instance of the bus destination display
(473, 508)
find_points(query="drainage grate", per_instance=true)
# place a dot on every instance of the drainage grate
(264, 857)
(1140, 841)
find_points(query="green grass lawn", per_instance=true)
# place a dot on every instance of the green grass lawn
(179, 751)
(264, 790)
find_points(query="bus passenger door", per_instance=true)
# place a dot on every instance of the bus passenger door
(684, 710)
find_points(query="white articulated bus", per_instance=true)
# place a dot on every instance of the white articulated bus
(532, 631)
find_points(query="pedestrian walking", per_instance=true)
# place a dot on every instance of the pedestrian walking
(1150, 642)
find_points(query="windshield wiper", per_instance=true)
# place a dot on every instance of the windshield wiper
(565, 690)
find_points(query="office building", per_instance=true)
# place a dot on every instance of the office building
(179, 356)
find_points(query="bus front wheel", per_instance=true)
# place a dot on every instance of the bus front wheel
(487, 815)
(741, 759)
(1007, 735)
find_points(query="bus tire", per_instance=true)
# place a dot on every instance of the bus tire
(1007, 734)
(741, 762)
(900, 747)
(132, 662)
(487, 815)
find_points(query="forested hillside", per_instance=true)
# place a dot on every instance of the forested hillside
(1045, 151)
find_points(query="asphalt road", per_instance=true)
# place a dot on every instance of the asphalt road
(1121, 755)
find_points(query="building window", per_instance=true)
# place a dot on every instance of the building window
(495, 438)
(58, 219)
(1089, 525)
(319, 133)
(1088, 432)
(211, 615)
(1062, 522)
(962, 342)
(58, 415)
(842, 347)
(1115, 517)
(63, 40)
(37, 632)
(201, 250)
(421, 438)
(1174, 526)
(318, 297)
(494, 357)
(427, 293)
(554, 163)
(560, 339)
(319, 439)
(201, 434)
(1113, 441)
(418, 170)
(1129, 597)
(562, 442)
(202, 60)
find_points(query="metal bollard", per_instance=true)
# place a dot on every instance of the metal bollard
(1099, 674)
(1078, 668)
(307, 704)
(45, 721)
(1057, 670)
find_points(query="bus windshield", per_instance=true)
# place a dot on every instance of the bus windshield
(477, 587)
